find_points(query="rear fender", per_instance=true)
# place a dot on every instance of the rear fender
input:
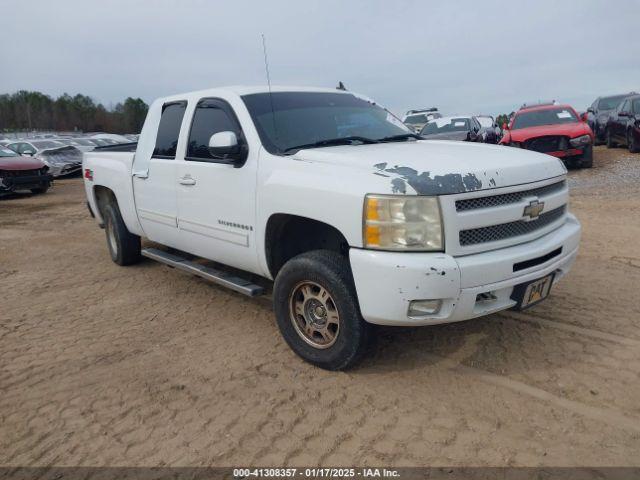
(112, 173)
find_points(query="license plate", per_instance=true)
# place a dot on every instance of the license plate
(534, 292)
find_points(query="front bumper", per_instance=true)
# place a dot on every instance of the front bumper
(571, 152)
(27, 182)
(387, 281)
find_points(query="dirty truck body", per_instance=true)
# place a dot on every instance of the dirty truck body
(356, 220)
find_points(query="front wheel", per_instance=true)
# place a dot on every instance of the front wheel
(587, 157)
(317, 310)
(124, 246)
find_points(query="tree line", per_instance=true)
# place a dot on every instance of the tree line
(27, 110)
(504, 118)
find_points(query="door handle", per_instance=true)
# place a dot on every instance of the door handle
(187, 180)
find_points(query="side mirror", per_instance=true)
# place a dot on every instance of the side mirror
(590, 110)
(584, 116)
(29, 153)
(224, 145)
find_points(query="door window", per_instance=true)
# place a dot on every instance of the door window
(211, 116)
(26, 148)
(169, 130)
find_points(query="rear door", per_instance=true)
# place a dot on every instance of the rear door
(216, 197)
(155, 190)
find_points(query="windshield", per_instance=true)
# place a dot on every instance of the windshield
(416, 119)
(609, 103)
(5, 152)
(446, 125)
(486, 122)
(305, 118)
(552, 116)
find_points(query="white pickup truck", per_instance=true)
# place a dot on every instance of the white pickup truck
(356, 219)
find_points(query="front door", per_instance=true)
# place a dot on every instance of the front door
(155, 188)
(216, 197)
(619, 123)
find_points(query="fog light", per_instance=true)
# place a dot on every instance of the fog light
(421, 308)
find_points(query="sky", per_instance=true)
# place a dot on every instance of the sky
(461, 56)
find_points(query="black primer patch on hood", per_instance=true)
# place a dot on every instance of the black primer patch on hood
(424, 184)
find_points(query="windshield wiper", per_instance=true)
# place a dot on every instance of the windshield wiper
(400, 138)
(333, 141)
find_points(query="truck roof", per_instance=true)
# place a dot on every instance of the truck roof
(247, 90)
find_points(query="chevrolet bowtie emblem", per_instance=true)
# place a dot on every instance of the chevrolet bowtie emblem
(533, 210)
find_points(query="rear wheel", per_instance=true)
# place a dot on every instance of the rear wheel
(632, 143)
(317, 310)
(610, 142)
(124, 246)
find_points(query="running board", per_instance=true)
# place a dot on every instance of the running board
(219, 277)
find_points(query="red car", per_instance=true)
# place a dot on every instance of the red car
(22, 173)
(552, 129)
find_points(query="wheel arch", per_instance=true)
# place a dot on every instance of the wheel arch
(288, 235)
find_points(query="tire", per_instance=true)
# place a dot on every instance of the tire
(297, 298)
(587, 158)
(609, 141)
(39, 190)
(124, 247)
(632, 144)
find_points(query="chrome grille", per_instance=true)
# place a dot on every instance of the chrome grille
(494, 233)
(506, 198)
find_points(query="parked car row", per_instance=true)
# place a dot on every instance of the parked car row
(31, 164)
(547, 127)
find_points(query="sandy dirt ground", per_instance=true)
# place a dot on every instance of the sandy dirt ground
(140, 366)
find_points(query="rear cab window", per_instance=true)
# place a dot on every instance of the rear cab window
(169, 130)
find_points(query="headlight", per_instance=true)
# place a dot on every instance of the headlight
(402, 223)
(580, 141)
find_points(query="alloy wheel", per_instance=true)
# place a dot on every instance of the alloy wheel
(314, 314)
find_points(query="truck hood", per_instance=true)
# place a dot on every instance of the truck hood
(439, 167)
(20, 163)
(568, 129)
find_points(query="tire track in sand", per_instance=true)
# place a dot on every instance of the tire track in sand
(611, 417)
